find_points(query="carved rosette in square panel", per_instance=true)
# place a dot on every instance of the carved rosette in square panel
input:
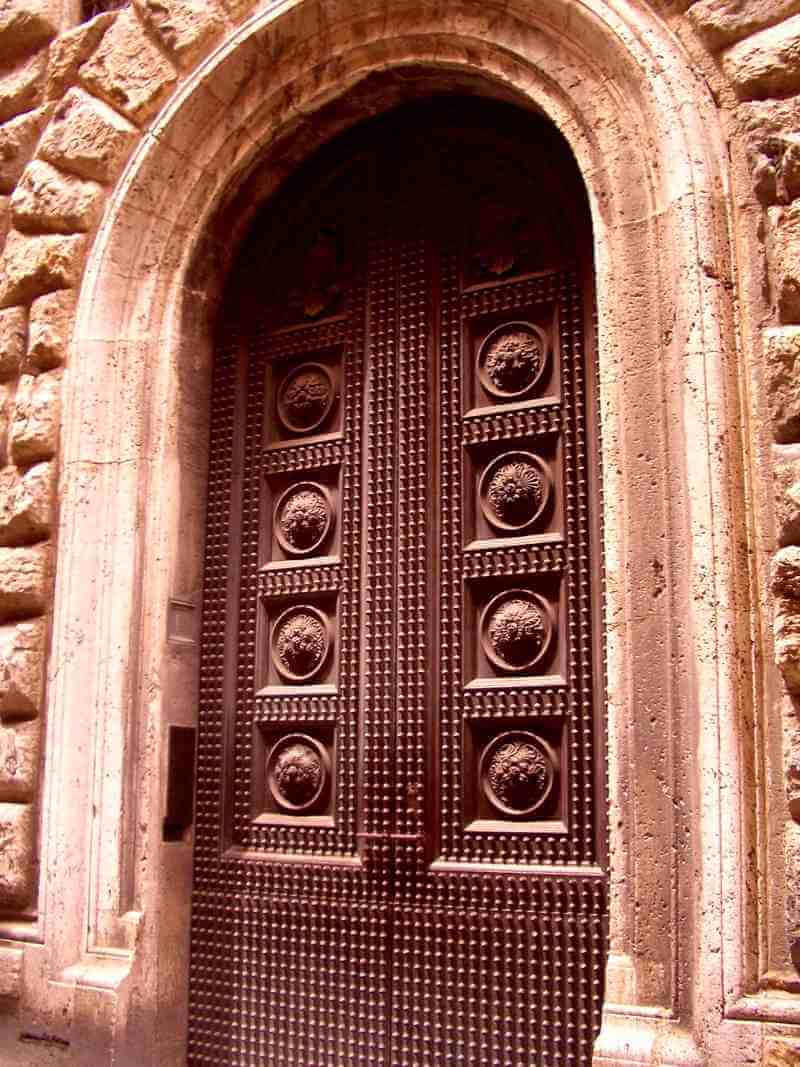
(301, 644)
(511, 359)
(294, 774)
(301, 513)
(305, 395)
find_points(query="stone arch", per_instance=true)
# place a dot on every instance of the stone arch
(645, 135)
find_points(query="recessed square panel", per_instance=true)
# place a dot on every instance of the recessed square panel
(294, 774)
(514, 775)
(301, 515)
(512, 358)
(516, 632)
(514, 490)
(299, 644)
(304, 396)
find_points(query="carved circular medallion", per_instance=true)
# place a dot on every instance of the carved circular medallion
(303, 518)
(511, 360)
(297, 772)
(300, 642)
(514, 490)
(517, 772)
(306, 397)
(516, 629)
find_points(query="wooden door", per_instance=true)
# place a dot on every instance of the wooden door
(399, 842)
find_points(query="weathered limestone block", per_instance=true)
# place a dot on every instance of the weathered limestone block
(87, 137)
(722, 22)
(779, 1053)
(786, 587)
(790, 718)
(49, 330)
(786, 483)
(127, 70)
(6, 413)
(24, 581)
(13, 338)
(19, 760)
(26, 25)
(33, 435)
(26, 504)
(185, 28)
(10, 973)
(783, 248)
(772, 135)
(766, 64)
(70, 50)
(5, 218)
(18, 139)
(782, 352)
(17, 862)
(32, 266)
(47, 201)
(22, 648)
(237, 9)
(21, 89)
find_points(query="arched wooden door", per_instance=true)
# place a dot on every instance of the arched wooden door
(399, 842)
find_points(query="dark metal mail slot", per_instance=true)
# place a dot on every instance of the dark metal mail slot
(179, 808)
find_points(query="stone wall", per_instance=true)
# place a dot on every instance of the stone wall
(77, 98)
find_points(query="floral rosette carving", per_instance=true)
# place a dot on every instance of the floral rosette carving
(514, 490)
(303, 518)
(306, 397)
(300, 643)
(516, 629)
(517, 773)
(511, 360)
(297, 772)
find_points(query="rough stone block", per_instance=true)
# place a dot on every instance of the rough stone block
(766, 64)
(47, 201)
(782, 367)
(783, 248)
(24, 581)
(5, 218)
(33, 434)
(18, 139)
(6, 413)
(19, 760)
(22, 88)
(786, 483)
(772, 136)
(13, 339)
(22, 647)
(17, 861)
(26, 25)
(185, 28)
(70, 50)
(790, 717)
(26, 504)
(10, 973)
(723, 22)
(87, 137)
(127, 70)
(237, 9)
(778, 1053)
(49, 330)
(786, 572)
(32, 266)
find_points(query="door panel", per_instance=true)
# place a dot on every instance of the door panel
(398, 857)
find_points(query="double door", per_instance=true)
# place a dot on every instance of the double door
(398, 854)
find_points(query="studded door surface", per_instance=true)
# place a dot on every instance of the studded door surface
(399, 845)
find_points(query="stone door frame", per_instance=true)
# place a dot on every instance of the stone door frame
(646, 137)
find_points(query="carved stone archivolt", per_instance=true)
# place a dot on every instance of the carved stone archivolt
(306, 397)
(516, 630)
(517, 773)
(514, 490)
(300, 643)
(511, 360)
(303, 518)
(298, 769)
